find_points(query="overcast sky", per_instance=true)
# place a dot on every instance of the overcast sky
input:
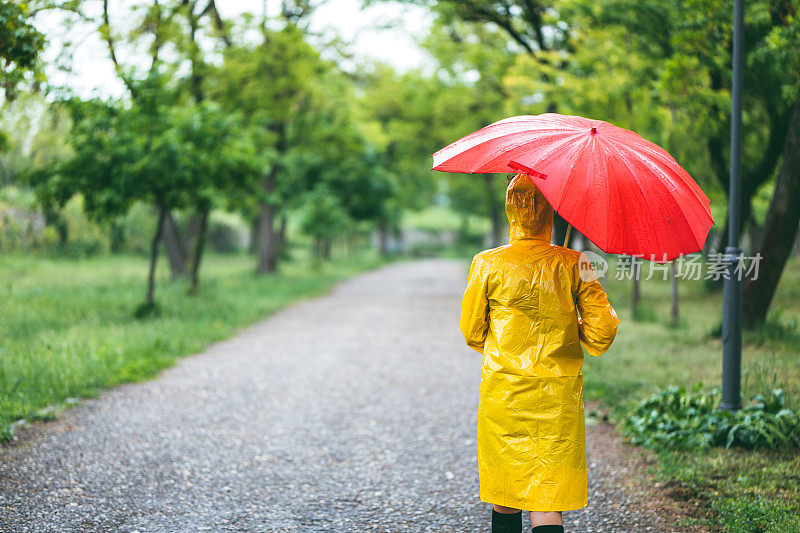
(365, 28)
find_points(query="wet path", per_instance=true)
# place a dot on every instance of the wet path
(355, 411)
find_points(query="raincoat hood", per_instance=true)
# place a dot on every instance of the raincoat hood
(529, 214)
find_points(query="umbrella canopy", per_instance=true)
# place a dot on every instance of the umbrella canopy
(624, 193)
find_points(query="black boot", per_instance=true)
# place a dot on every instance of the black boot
(506, 523)
(548, 529)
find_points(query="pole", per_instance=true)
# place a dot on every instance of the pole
(732, 296)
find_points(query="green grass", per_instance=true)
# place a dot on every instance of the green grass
(67, 329)
(741, 491)
(442, 218)
(654, 354)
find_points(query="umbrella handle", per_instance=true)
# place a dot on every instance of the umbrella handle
(566, 239)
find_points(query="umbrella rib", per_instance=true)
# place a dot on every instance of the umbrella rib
(667, 159)
(573, 150)
(457, 145)
(657, 159)
(605, 153)
(699, 242)
(506, 154)
(645, 197)
(664, 187)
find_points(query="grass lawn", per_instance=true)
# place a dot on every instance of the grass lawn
(741, 490)
(67, 328)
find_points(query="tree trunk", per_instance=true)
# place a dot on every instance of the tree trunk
(780, 228)
(675, 317)
(636, 296)
(176, 252)
(282, 234)
(151, 278)
(326, 248)
(797, 245)
(383, 235)
(267, 237)
(192, 231)
(494, 212)
(254, 235)
(199, 246)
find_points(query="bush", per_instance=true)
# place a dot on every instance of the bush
(227, 233)
(677, 420)
(21, 223)
(134, 232)
(84, 237)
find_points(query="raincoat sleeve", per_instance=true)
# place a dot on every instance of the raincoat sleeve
(475, 306)
(597, 322)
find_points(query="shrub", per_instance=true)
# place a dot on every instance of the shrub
(679, 420)
(227, 233)
(133, 232)
(84, 237)
(21, 224)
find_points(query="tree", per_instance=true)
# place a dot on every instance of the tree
(324, 218)
(183, 24)
(475, 59)
(689, 53)
(218, 157)
(532, 24)
(194, 14)
(780, 229)
(152, 151)
(535, 29)
(781, 224)
(20, 45)
(272, 83)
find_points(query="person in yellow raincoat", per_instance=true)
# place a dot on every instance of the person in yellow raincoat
(531, 308)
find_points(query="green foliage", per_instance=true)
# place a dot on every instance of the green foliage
(133, 232)
(323, 215)
(152, 150)
(121, 155)
(20, 45)
(84, 237)
(404, 114)
(227, 233)
(67, 231)
(302, 112)
(677, 419)
(685, 66)
(37, 137)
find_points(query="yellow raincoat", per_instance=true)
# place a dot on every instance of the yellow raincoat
(528, 311)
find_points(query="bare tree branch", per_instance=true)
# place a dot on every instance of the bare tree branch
(219, 24)
(105, 31)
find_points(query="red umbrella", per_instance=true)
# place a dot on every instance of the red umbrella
(625, 194)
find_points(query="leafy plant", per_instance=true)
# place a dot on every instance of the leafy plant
(680, 420)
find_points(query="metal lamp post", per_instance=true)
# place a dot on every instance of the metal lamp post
(732, 295)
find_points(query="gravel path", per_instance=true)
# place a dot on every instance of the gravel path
(351, 412)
